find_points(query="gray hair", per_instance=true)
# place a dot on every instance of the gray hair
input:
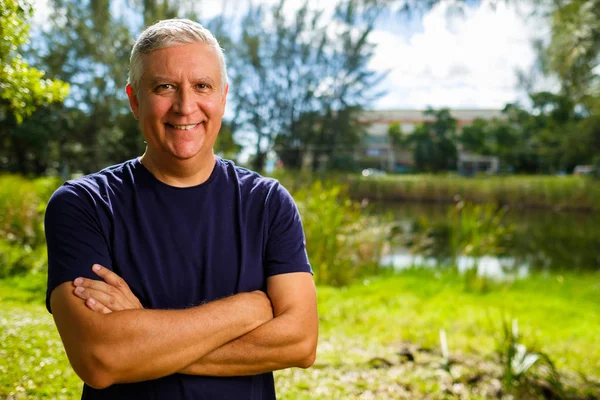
(168, 33)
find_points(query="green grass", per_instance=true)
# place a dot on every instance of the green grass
(374, 319)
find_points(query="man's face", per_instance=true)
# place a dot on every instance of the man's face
(180, 101)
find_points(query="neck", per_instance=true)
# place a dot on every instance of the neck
(179, 173)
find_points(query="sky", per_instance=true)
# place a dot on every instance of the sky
(441, 58)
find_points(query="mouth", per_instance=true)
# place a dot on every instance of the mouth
(183, 127)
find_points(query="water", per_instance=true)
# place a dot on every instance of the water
(494, 267)
(542, 240)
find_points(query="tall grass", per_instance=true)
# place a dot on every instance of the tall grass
(558, 192)
(469, 229)
(343, 241)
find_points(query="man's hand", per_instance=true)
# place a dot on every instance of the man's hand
(114, 293)
(111, 295)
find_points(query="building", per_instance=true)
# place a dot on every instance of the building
(377, 150)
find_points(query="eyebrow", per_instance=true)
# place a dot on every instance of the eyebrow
(161, 79)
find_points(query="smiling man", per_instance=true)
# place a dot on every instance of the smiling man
(178, 275)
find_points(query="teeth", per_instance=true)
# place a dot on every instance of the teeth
(184, 127)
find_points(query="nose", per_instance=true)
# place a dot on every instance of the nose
(184, 103)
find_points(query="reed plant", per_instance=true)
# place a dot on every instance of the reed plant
(558, 192)
(343, 241)
(525, 372)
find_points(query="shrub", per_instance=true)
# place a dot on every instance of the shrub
(22, 205)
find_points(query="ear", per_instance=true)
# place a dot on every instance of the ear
(224, 98)
(133, 101)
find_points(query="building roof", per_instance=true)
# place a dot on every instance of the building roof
(416, 116)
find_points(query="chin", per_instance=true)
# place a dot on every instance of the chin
(184, 154)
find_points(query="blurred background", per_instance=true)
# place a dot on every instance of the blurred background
(444, 155)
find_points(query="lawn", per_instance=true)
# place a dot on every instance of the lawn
(378, 338)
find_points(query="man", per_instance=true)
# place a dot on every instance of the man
(158, 266)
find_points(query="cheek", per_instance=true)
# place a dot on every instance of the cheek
(155, 108)
(214, 107)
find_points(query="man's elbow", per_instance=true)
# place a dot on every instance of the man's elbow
(307, 354)
(93, 370)
(97, 381)
(308, 361)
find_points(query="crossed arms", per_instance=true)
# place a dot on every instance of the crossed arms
(245, 334)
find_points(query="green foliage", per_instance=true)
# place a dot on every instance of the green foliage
(396, 135)
(343, 242)
(226, 146)
(22, 88)
(470, 230)
(555, 135)
(475, 138)
(525, 372)
(574, 50)
(480, 229)
(434, 143)
(22, 205)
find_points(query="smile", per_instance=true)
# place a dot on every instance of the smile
(184, 127)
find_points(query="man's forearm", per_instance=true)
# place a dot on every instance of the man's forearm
(137, 345)
(277, 344)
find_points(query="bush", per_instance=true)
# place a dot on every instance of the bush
(22, 205)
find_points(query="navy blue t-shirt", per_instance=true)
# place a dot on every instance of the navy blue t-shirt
(176, 248)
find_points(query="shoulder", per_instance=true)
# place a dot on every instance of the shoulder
(91, 189)
(253, 184)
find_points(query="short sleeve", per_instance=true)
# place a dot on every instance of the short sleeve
(286, 245)
(74, 237)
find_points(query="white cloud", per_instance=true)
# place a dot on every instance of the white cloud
(466, 61)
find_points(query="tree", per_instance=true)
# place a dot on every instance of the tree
(397, 137)
(298, 83)
(476, 138)
(23, 89)
(89, 47)
(434, 142)
(226, 146)
(574, 50)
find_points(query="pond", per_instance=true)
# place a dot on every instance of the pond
(540, 240)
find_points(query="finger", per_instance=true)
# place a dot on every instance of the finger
(118, 283)
(93, 305)
(109, 276)
(93, 284)
(113, 303)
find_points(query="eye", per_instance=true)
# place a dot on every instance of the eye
(163, 87)
(203, 86)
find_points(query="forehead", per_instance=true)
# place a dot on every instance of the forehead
(187, 61)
